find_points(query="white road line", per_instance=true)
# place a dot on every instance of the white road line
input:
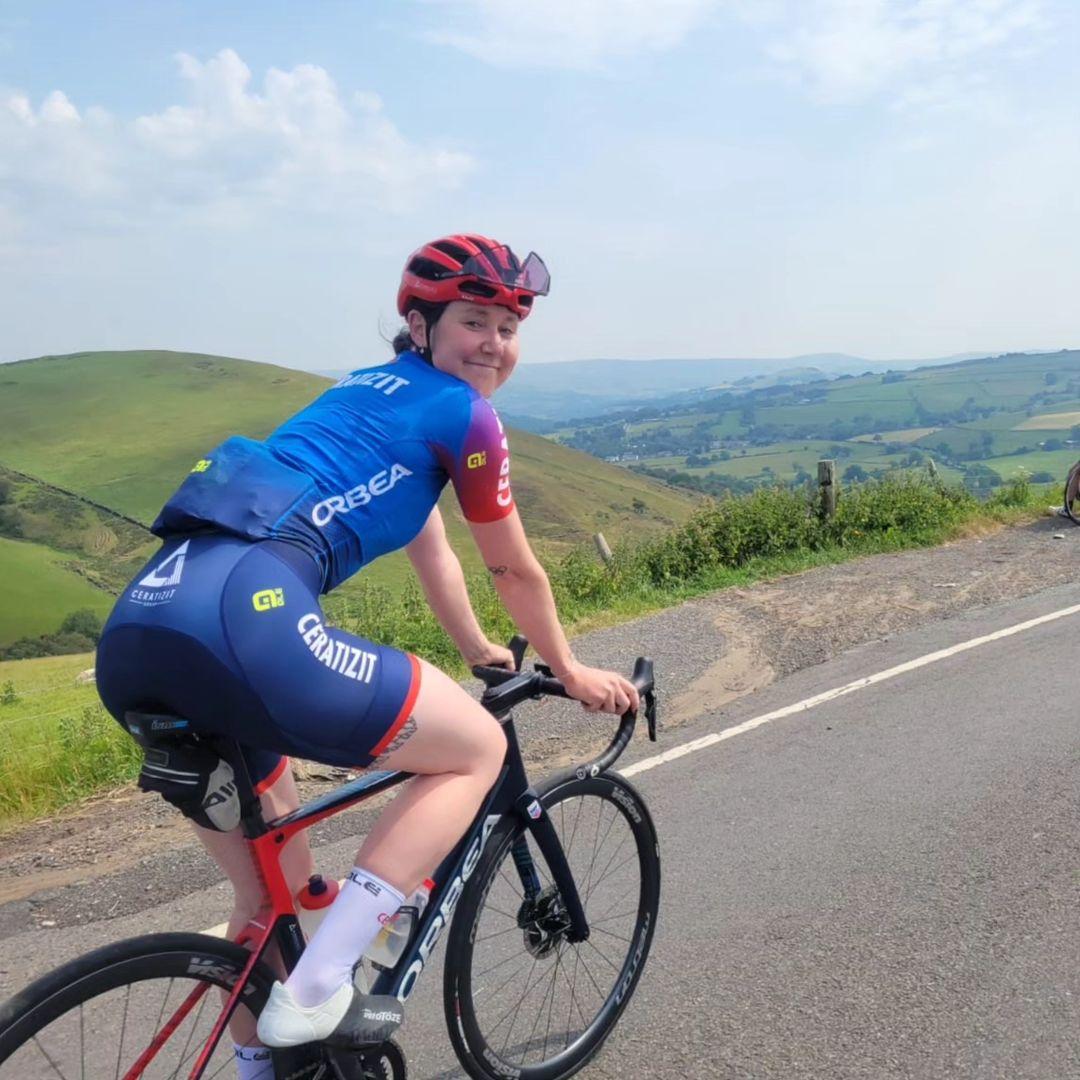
(829, 695)
(818, 699)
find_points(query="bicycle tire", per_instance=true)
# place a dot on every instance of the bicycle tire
(1072, 490)
(187, 959)
(611, 800)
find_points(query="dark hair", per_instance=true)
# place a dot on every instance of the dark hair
(403, 341)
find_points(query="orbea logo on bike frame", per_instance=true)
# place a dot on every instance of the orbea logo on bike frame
(360, 495)
(337, 655)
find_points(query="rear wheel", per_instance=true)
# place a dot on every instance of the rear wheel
(143, 1007)
(521, 999)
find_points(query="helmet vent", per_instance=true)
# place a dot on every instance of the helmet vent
(477, 288)
(427, 268)
(455, 251)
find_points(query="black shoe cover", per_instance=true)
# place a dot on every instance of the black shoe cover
(371, 1019)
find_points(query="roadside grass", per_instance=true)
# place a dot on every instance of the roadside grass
(57, 744)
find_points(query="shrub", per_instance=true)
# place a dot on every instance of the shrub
(1016, 492)
(84, 622)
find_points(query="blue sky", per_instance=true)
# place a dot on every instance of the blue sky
(889, 178)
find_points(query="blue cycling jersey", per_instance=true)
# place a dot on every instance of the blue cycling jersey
(356, 473)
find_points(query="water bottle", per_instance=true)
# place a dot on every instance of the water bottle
(313, 902)
(389, 944)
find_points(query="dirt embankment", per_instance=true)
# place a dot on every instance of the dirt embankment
(708, 652)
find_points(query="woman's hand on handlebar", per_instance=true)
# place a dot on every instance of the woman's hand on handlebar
(489, 654)
(599, 690)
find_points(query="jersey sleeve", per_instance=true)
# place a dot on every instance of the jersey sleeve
(479, 466)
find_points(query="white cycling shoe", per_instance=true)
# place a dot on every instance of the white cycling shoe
(347, 1018)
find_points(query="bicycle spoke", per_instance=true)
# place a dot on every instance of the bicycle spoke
(497, 933)
(514, 1010)
(536, 1022)
(574, 999)
(614, 855)
(573, 834)
(52, 1064)
(504, 984)
(618, 914)
(585, 968)
(123, 1028)
(184, 1055)
(617, 937)
(551, 1006)
(591, 882)
(514, 889)
(632, 857)
(603, 956)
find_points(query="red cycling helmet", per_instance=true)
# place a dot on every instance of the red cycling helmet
(470, 267)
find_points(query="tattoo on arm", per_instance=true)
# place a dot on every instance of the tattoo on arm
(498, 571)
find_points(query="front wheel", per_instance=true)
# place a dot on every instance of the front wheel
(521, 999)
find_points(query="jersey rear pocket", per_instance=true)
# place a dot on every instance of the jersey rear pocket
(240, 487)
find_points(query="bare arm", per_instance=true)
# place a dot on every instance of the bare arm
(524, 589)
(443, 583)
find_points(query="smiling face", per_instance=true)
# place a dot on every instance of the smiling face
(477, 343)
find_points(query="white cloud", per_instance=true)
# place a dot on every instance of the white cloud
(922, 51)
(229, 150)
(565, 33)
(844, 50)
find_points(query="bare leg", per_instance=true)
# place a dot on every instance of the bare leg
(231, 852)
(457, 748)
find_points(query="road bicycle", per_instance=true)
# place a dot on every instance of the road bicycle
(551, 896)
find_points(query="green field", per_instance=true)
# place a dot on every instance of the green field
(122, 430)
(39, 589)
(993, 413)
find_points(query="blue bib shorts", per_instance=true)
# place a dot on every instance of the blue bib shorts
(229, 634)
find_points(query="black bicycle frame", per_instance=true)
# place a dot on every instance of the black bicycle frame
(511, 794)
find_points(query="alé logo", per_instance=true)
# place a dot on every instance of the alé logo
(159, 586)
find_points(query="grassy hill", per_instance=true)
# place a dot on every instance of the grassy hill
(40, 588)
(99, 440)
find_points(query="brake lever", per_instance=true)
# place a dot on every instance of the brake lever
(650, 714)
(518, 645)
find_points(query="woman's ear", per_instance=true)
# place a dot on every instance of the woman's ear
(418, 328)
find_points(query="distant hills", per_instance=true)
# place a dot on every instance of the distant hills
(92, 443)
(981, 420)
(543, 392)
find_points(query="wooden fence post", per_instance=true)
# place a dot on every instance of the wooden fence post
(828, 486)
(602, 547)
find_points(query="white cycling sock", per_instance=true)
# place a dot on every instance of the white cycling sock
(253, 1063)
(355, 917)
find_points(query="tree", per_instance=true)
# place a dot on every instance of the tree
(5, 489)
(855, 473)
(85, 622)
(1050, 378)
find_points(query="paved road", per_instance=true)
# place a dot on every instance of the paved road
(887, 885)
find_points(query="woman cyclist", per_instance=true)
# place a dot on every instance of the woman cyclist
(223, 625)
